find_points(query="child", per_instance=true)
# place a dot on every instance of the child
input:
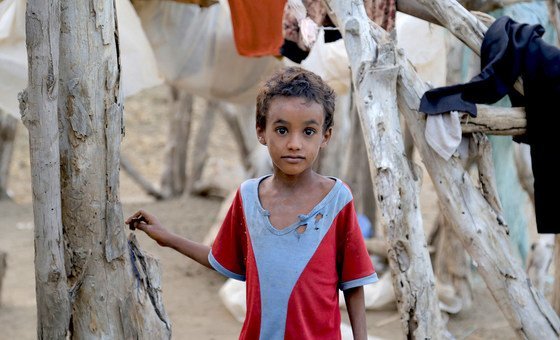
(292, 235)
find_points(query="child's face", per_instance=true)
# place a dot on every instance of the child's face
(294, 134)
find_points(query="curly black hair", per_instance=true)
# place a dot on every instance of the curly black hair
(296, 82)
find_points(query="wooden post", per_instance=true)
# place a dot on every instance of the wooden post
(39, 114)
(174, 175)
(200, 143)
(110, 299)
(396, 185)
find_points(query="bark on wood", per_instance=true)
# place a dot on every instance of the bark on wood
(475, 222)
(38, 106)
(495, 121)
(108, 301)
(8, 125)
(524, 170)
(3, 267)
(556, 289)
(481, 150)
(174, 175)
(396, 185)
(488, 5)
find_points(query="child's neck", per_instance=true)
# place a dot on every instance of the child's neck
(297, 182)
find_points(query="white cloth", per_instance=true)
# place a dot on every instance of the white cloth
(196, 51)
(443, 133)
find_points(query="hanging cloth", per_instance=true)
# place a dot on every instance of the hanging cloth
(257, 26)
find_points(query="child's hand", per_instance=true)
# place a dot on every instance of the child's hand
(150, 225)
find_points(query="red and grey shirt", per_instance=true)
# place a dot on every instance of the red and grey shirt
(293, 278)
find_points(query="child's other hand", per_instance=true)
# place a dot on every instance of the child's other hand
(149, 224)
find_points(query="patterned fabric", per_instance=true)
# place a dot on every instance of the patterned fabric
(293, 276)
(382, 12)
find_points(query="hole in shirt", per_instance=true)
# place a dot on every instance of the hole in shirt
(318, 217)
(301, 228)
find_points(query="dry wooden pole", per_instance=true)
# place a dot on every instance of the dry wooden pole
(174, 175)
(396, 185)
(38, 105)
(495, 121)
(487, 5)
(556, 292)
(111, 297)
(201, 142)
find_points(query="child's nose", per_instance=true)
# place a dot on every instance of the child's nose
(294, 143)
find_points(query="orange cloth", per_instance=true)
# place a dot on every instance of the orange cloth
(257, 26)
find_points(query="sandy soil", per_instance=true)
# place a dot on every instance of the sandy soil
(190, 291)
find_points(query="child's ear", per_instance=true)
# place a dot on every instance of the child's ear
(326, 137)
(260, 135)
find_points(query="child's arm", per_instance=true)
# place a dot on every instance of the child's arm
(354, 298)
(151, 226)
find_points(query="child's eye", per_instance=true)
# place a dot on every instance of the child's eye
(309, 131)
(282, 130)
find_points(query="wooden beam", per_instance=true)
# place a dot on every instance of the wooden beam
(495, 121)
(396, 183)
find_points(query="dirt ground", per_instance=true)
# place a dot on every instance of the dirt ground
(189, 291)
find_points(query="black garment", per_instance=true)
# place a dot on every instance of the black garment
(510, 50)
(292, 51)
(332, 35)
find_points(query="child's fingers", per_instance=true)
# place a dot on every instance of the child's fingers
(134, 222)
(140, 225)
(133, 217)
(146, 216)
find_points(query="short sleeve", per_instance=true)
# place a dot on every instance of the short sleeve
(354, 264)
(229, 250)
